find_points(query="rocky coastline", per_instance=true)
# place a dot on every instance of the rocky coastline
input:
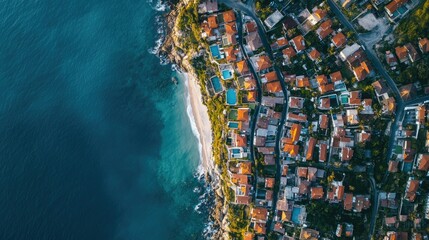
(171, 50)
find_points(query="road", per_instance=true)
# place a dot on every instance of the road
(258, 97)
(249, 11)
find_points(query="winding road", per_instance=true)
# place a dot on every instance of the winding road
(248, 9)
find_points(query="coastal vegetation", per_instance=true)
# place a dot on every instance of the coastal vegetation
(415, 26)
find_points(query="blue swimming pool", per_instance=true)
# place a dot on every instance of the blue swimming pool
(233, 125)
(295, 215)
(217, 86)
(226, 74)
(214, 49)
(231, 97)
(235, 150)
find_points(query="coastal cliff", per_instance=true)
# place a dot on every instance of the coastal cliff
(177, 50)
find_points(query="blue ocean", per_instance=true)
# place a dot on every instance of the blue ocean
(95, 139)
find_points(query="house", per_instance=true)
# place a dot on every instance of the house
(336, 76)
(348, 201)
(249, 83)
(346, 154)
(411, 189)
(290, 149)
(339, 40)
(390, 221)
(295, 133)
(380, 88)
(309, 234)
(296, 117)
(302, 82)
(259, 214)
(310, 149)
(393, 166)
(242, 67)
(289, 23)
(253, 41)
(298, 43)
(212, 22)
(413, 55)
(316, 192)
(355, 98)
(349, 50)
(391, 59)
(323, 121)
(324, 29)
(250, 27)
(362, 71)
(288, 54)
(314, 55)
(402, 54)
(296, 102)
(251, 96)
(316, 16)
(273, 87)
(262, 63)
(228, 16)
(422, 162)
(269, 77)
(336, 194)
(208, 6)
(231, 53)
(243, 114)
(273, 19)
(323, 149)
(393, 6)
(424, 45)
(230, 32)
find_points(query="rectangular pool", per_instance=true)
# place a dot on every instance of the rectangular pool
(217, 86)
(214, 49)
(226, 74)
(233, 125)
(231, 97)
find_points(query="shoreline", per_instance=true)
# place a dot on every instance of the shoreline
(198, 116)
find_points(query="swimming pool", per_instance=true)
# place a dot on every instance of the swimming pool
(226, 74)
(217, 86)
(231, 97)
(295, 215)
(233, 125)
(344, 99)
(214, 49)
(235, 150)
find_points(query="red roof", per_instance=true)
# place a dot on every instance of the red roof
(336, 76)
(229, 16)
(317, 193)
(424, 45)
(310, 149)
(299, 42)
(273, 87)
(339, 39)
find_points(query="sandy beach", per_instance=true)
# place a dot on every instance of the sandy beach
(202, 122)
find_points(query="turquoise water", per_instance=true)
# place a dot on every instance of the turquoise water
(226, 74)
(233, 125)
(231, 97)
(214, 49)
(217, 86)
(95, 140)
(295, 214)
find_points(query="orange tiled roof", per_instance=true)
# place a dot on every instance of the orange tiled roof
(339, 39)
(291, 149)
(323, 119)
(229, 16)
(336, 76)
(231, 28)
(317, 193)
(322, 152)
(271, 76)
(299, 42)
(310, 150)
(322, 79)
(251, 96)
(212, 20)
(273, 87)
(242, 67)
(263, 62)
(230, 53)
(243, 114)
(424, 45)
(302, 82)
(281, 42)
(314, 54)
(401, 52)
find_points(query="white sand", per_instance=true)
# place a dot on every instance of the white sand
(201, 119)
